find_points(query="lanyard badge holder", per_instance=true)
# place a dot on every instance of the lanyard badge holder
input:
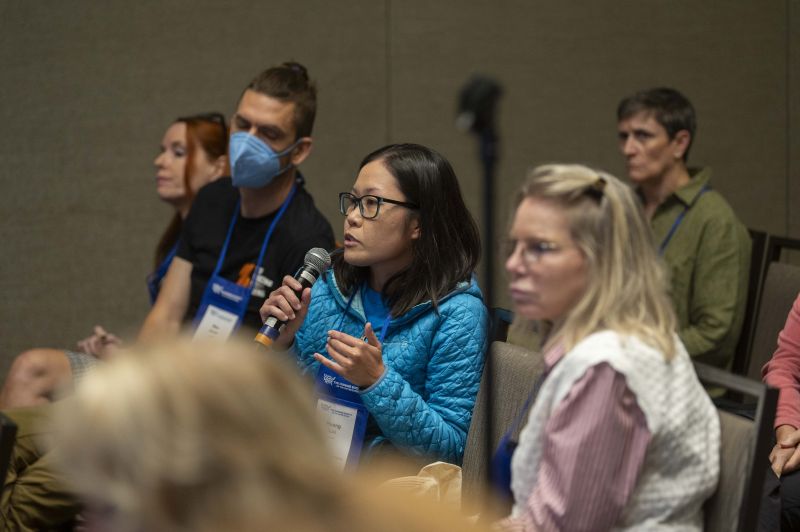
(342, 411)
(224, 302)
(344, 416)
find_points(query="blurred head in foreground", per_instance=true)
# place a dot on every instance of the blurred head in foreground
(202, 437)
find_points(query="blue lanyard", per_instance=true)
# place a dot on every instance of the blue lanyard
(386, 321)
(161, 271)
(680, 218)
(155, 278)
(267, 238)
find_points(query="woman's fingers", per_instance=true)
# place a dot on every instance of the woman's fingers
(345, 339)
(328, 363)
(369, 334)
(356, 360)
(793, 462)
(292, 283)
(779, 458)
(281, 303)
(344, 355)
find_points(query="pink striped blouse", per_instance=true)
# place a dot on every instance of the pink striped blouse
(594, 448)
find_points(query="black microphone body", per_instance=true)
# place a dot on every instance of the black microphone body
(317, 260)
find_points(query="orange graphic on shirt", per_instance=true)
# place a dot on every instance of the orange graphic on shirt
(246, 274)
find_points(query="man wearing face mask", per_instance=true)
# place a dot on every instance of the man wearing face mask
(244, 234)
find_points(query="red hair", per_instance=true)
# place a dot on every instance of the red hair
(211, 133)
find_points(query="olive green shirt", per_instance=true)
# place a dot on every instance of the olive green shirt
(708, 261)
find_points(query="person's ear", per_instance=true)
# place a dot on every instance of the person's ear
(415, 229)
(301, 151)
(220, 167)
(681, 143)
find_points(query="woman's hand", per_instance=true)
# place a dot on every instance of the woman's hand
(284, 304)
(101, 344)
(354, 359)
(785, 456)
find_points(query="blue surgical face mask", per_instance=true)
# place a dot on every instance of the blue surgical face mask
(253, 163)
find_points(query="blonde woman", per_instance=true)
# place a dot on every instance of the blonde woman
(621, 434)
(205, 438)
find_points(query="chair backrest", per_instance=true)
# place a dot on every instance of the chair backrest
(759, 240)
(780, 289)
(501, 321)
(8, 434)
(514, 370)
(738, 440)
(777, 244)
(743, 454)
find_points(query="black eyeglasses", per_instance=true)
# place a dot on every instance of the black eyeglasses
(369, 206)
(215, 118)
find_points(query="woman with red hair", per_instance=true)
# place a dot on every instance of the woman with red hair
(193, 153)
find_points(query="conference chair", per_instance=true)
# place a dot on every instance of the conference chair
(744, 453)
(759, 240)
(514, 372)
(777, 245)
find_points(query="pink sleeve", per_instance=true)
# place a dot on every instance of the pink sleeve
(593, 450)
(783, 370)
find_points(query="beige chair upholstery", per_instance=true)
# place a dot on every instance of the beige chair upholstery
(743, 454)
(738, 440)
(780, 289)
(514, 372)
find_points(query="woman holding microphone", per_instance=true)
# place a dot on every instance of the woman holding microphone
(395, 331)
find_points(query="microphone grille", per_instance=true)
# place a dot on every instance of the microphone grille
(318, 258)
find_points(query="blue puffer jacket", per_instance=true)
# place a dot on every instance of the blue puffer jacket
(423, 402)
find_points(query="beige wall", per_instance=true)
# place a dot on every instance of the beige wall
(88, 88)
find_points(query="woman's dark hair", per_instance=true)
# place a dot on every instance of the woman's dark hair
(211, 133)
(448, 248)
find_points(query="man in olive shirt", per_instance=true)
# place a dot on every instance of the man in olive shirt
(706, 249)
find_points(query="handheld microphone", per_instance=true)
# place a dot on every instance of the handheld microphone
(316, 261)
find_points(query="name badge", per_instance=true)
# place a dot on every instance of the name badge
(344, 417)
(339, 422)
(216, 324)
(221, 310)
(224, 303)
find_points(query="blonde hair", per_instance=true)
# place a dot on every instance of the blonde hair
(209, 437)
(627, 289)
(189, 436)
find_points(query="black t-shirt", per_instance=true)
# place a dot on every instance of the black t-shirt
(301, 228)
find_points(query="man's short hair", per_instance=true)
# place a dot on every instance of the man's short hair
(289, 82)
(670, 108)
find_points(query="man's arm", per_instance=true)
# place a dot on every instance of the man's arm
(166, 316)
(717, 301)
